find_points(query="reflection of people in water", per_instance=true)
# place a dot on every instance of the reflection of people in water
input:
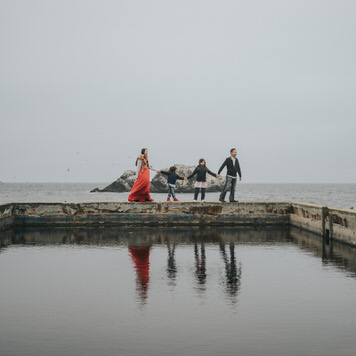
(171, 263)
(140, 256)
(200, 266)
(232, 271)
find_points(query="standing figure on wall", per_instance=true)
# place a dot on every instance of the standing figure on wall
(233, 168)
(141, 189)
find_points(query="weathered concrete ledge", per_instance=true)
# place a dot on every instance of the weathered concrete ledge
(338, 224)
(151, 214)
(7, 216)
(330, 223)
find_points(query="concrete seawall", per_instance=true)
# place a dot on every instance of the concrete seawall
(330, 223)
(338, 224)
(7, 216)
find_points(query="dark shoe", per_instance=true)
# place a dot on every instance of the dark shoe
(234, 201)
(223, 201)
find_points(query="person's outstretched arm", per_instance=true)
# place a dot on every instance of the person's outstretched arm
(164, 172)
(193, 174)
(222, 166)
(212, 174)
(179, 177)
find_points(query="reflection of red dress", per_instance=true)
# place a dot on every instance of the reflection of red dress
(141, 257)
(141, 189)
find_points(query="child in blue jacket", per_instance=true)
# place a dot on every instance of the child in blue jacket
(171, 181)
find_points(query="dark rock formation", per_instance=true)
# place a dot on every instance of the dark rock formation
(159, 182)
(121, 185)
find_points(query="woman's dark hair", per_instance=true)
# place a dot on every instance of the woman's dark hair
(173, 169)
(203, 160)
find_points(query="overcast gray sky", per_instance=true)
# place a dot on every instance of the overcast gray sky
(85, 84)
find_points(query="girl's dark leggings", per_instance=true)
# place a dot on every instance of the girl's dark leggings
(196, 192)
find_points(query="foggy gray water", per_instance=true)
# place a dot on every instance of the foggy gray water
(332, 195)
(152, 291)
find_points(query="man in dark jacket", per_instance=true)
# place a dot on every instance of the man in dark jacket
(233, 167)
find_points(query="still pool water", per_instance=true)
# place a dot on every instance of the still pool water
(175, 292)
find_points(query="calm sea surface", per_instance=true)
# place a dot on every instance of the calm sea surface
(155, 291)
(332, 195)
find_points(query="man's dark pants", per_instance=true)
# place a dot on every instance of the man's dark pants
(230, 182)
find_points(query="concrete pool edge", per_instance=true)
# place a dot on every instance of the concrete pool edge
(7, 216)
(338, 224)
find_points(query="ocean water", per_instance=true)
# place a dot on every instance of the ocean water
(154, 291)
(332, 195)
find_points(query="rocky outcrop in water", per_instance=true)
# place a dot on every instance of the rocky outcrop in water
(123, 184)
(159, 182)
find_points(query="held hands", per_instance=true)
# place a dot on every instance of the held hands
(185, 178)
(158, 171)
(240, 179)
(218, 175)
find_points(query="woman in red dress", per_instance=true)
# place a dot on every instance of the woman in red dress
(141, 189)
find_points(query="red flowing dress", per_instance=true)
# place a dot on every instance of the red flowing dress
(141, 189)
